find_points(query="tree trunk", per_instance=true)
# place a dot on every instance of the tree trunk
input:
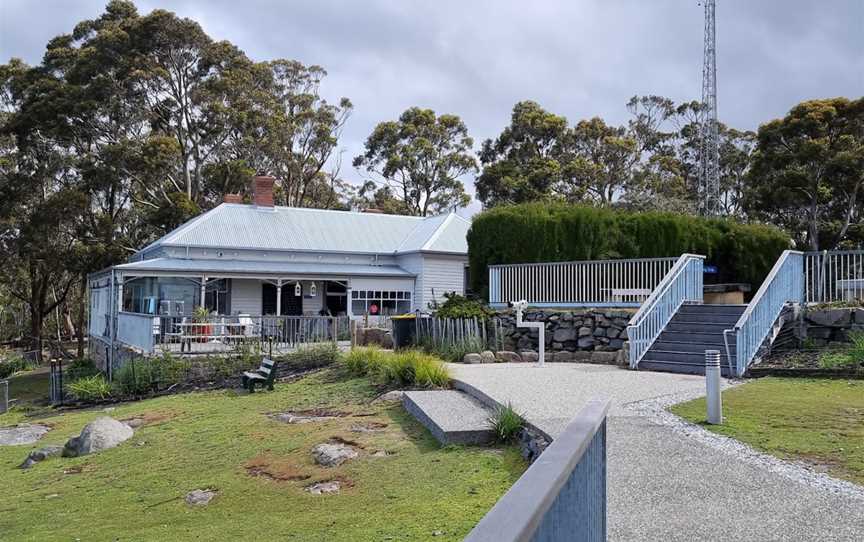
(36, 331)
(82, 316)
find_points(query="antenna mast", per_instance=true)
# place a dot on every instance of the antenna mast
(709, 178)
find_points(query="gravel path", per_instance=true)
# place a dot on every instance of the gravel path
(669, 480)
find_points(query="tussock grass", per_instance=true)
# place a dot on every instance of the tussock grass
(402, 368)
(506, 423)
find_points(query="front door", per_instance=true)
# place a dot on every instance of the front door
(292, 304)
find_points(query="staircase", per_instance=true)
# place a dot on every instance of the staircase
(681, 346)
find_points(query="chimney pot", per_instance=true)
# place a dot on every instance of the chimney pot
(263, 189)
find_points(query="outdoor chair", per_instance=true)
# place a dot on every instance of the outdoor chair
(263, 375)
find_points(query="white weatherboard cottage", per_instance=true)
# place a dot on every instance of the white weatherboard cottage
(254, 260)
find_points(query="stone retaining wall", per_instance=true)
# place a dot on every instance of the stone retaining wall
(821, 327)
(587, 335)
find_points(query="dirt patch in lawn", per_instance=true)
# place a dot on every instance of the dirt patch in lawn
(368, 427)
(149, 418)
(279, 469)
(308, 416)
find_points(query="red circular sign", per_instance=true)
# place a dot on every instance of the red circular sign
(373, 309)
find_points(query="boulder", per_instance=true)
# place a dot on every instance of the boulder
(100, 434)
(200, 497)
(600, 332)
(41, 455)
(487, 356)
(830, 317)
(586, 342)
(562, 357)
(563, 334)
(616, 344)
(505, 356)
(604, 357)
(322, 488)
(333, 453)
(584, 331)
(529, 356)
(472, 358)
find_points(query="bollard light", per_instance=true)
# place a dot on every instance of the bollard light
(712, 387)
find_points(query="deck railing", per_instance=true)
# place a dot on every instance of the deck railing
(595, 283)
(185, 335)
(834, 276)
(562, 495)
(682, 284)
(784, 284)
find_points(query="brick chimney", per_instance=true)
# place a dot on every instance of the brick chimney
(263, 190)
(233, 198)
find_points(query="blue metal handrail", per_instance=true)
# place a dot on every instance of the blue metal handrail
(784, 284)
(682, 284)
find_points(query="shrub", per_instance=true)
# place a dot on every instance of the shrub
(12, 363)
(856, 351)
(403, 368)
(81, 368)
(167, 369)
(457, 306)
(312, 356)
(544, 232)
(836, 360)
(454, 351)
(506, 423)
(133, 378)
(90, 388)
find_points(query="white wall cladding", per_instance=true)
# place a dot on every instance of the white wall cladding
(413, 263)
(442, 274)
(246, 296)
(363, 283)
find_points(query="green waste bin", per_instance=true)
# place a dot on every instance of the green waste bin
(404, 330)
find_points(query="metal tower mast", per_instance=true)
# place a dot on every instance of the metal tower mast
(709, 178)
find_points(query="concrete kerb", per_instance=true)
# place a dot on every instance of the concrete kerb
(493, 404)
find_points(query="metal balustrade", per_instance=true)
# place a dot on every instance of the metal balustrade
(682, 284)
(836, 276)
(784, 284)
(186, 335)
(562, 495)
(594, 283)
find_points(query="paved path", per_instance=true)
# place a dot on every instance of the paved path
(663, 484)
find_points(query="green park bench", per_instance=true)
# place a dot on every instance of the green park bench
(263, 375)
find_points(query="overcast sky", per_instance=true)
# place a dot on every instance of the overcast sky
(577, 58)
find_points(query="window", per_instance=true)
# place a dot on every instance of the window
(380, 302)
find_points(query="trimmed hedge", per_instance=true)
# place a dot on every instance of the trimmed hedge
(550, 232)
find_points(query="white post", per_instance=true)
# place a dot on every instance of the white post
(539, 326)
(203, 291)
(279, 297)
(712, 384)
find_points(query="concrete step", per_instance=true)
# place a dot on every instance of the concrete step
(713, 309)
(692, 346)
(713, 338)
(679, 367)
(697, 327)
(453, 417)
(708, 317)
(685, 357)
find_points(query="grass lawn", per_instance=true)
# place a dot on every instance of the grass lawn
(819, 421)
(260, 467)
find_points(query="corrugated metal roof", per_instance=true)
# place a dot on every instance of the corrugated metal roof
(292, 228)
(264, 268)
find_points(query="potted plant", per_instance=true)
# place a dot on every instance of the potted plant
(201, 316)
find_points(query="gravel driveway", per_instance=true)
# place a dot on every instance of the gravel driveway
(666, 481)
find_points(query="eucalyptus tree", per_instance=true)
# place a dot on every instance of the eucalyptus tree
(421, 158)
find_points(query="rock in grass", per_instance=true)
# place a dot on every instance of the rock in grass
(200, 497)
(100, 434)
(41, 455)
(333, 454)
(24, 433)
(322, 488)
(389, 397)
(487, 356)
